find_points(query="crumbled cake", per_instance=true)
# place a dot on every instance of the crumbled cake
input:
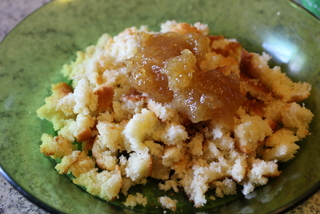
(196, 112)
(168, 203)
(132, 200)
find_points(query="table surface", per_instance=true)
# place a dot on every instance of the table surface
(11, 201)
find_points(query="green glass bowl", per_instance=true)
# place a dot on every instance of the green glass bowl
(32, 55)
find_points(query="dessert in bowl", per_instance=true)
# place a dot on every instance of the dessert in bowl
(256, 43)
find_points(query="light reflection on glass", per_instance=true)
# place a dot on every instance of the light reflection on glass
(297, 64)
(285, 51)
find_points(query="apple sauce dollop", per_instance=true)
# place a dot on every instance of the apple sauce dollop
(168, 67)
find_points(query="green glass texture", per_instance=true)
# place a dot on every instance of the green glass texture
(313, 6)
(32, 55)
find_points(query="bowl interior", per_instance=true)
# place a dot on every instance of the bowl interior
(32, 55)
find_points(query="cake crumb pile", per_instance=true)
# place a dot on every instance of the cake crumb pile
(196, 112)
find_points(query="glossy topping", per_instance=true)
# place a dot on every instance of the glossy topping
(168, 67)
